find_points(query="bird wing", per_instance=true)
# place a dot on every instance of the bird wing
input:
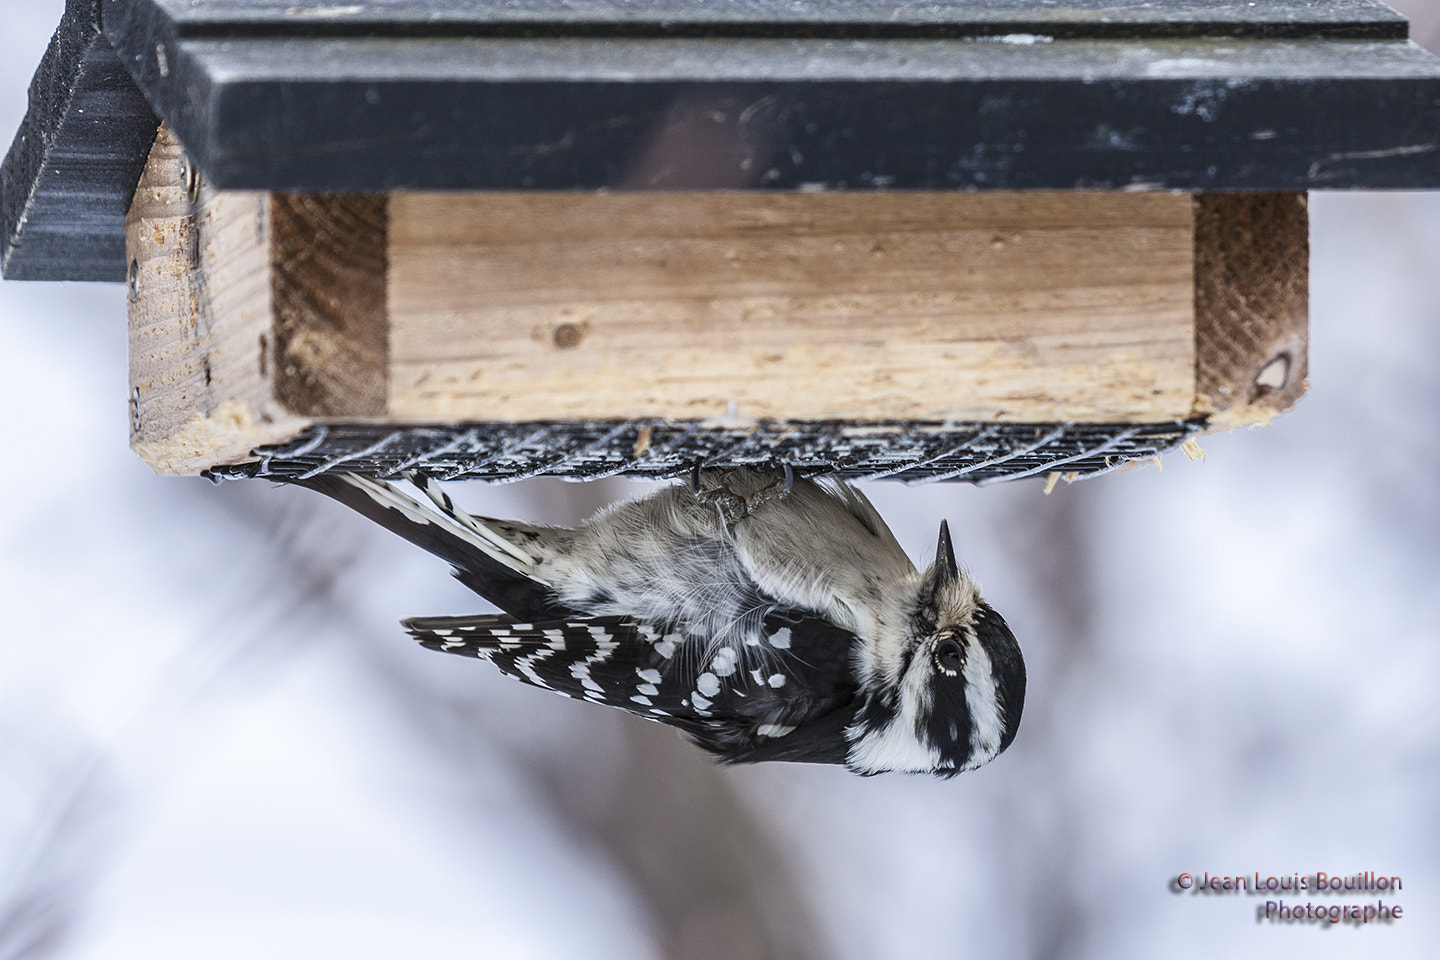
(795, 705)
(789, 701)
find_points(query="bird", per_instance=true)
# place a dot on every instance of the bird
(764, 615)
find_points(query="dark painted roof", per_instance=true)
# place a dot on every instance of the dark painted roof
(1077, 19)
(735, 94)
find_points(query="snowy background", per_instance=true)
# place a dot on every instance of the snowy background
(216, 742)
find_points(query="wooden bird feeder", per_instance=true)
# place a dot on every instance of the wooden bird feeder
(584, 237)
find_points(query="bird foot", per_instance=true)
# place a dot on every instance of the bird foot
(733, 505)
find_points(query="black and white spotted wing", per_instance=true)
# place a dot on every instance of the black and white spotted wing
(601, 659)
(789, 697)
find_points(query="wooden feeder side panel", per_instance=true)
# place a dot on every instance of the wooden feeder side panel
(256, 316)
(873, 306)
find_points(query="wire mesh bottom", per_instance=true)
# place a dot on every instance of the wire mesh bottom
(977, 453)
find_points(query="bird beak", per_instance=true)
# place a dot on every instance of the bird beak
(945, 556)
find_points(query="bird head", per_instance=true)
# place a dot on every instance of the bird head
(947, 695)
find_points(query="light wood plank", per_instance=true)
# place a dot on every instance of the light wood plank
(1015, 307)
(201, 324)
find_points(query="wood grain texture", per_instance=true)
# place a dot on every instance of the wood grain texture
(1252, 256)
(201, 323)
(907, 306)
(327, 264)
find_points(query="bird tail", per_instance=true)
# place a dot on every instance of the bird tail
(608, 660)
(482, 558)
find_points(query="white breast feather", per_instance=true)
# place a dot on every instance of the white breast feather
(898, 746)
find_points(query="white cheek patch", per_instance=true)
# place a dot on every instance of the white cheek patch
(987, 724)
(898, 747)
(895, 748)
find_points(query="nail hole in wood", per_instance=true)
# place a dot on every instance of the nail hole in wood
(567, 336)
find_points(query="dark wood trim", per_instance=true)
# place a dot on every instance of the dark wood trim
(72, 168)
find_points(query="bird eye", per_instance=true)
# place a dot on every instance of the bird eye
(950, 657)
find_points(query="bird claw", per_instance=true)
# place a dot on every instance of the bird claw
(733, 506)
(777, 489)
